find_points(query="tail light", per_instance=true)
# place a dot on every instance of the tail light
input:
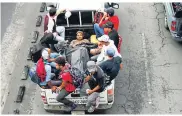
(110, 94)
(173, 25)
(43, 96)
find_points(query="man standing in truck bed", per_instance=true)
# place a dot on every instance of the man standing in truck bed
(50, 22)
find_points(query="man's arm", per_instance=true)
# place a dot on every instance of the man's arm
(60, 11)
(96, 88)
(87, 78)
(63, 84)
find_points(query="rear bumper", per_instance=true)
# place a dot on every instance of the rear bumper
(174, 36)
(79, 107)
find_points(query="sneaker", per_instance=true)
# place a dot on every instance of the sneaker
(91, 109)
(73, 106)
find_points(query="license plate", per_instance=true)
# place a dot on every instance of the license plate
(79, 101)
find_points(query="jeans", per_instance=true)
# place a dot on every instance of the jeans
(179, 26)
(98, 30)
(94, 58)
(53, 55)
(61, 31)
(61, 98)
(92, 97)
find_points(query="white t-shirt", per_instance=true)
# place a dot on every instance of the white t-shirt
(102, 56)
(51, 23)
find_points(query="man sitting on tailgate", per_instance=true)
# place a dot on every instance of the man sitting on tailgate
(66, 86)
(95, 79)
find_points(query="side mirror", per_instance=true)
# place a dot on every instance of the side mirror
(111, 4)
(115, 5)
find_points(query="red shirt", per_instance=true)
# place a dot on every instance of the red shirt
(114, 19)
(69, 86)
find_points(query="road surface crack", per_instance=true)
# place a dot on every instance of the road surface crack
(161, 34)
(166, 64)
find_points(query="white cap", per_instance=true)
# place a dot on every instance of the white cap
(104, 38)
(45, 54)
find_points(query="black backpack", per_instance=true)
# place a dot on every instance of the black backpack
(36, 51)
(48, 38)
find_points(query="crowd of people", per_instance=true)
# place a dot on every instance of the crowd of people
(53, 68)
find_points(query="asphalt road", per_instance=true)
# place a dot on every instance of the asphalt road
(7, 10)
(150, 82)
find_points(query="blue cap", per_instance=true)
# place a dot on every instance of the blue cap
(110, 52)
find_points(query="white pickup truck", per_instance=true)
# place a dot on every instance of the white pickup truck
(107, 96)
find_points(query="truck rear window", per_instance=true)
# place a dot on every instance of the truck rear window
(86, 17)
(74, 19)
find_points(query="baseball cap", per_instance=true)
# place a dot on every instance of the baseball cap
(108, 25)
(91, 66)
(110, 52)
(110, 11)
(104, 38)
(45, 54)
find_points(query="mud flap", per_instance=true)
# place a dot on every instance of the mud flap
(29, 54)
(43, 6)
(39, 21)
(77, 112)
(35, 36)
(20, 94)
(25, 72)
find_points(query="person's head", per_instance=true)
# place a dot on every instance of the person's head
(52, 12)
(110, 52)
(46, 53)
(110, 12)
(91, 67)
(108, 27)
(104, 39)
(79, 35)
(60, 63)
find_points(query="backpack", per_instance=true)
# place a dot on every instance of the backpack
(114, 71)
(33, 75)
(77, 76)
(48, 38)
(46, 21)
(40, 70)
(35, 52)
(98, 16)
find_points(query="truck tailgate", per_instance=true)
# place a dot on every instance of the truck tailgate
(51, 98)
